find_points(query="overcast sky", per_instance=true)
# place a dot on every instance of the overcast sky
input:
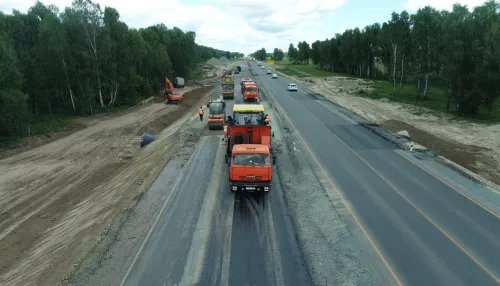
(245, 26)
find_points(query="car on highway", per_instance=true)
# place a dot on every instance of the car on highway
(263, 67)
(269, 72)
(292, 87)
(275, 75)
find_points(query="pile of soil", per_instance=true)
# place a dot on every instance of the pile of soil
(468, 156)
(213, 62)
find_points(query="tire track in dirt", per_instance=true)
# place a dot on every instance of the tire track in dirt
(57, 199)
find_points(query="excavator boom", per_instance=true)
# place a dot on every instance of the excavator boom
(170, 92)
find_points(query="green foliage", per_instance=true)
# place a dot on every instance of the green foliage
(260, 55)
(82, 61)
(291, 71)
(278, 54)
(458, 50)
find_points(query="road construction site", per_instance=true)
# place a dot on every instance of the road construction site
(347, 205)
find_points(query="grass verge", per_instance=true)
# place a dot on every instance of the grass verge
(436, 100)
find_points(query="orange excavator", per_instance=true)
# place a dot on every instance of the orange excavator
(172, 96)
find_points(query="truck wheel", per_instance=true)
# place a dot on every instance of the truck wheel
(238, 137)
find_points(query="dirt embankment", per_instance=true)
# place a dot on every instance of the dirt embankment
(473, 146)
(57, 199)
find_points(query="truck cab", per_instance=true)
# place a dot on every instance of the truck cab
(245, 80)
(250, 168)
(250, 92)
(249, 154)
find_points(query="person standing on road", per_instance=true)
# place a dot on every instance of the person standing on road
(200, 112)
(268, 118)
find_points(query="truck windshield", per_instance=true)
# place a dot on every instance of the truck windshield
(248, 118)
(227, 87)
(251, 159)
(251, 89)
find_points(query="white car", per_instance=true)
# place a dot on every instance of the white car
(275, 75)
(269, 72)
(292, 86)
(263, 67)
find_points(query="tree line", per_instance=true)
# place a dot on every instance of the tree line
(84, 59)
(458, 50)
(262, 55)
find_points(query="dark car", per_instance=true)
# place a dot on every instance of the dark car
(236, 71)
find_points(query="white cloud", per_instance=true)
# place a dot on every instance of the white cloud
(235, 25)
(414, 5)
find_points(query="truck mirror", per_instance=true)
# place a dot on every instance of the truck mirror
(274, 160)
(272, 134)
(227, 159)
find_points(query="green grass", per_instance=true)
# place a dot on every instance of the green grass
(197, 73)
(313, 71)
(436, 101)
(289, 71)
(310, 69)
(49, 125)
(41, 126)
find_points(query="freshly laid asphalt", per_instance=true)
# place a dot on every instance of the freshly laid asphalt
(428, 232)
(207, 235)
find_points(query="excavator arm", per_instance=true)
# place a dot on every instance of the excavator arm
(170, 92)
(169, 87)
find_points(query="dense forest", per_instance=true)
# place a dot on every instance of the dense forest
(458, 50)
(83, 60)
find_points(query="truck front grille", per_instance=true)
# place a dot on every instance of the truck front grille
(250, 178)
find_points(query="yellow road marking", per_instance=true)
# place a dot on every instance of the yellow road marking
(365, 232)
(411, 203)
(455, 189)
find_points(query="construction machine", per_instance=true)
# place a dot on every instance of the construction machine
(249, 153)
(179, 82)
(228, 90)
(172, 96)
(229, 79)
(250, 92)
(217, 114)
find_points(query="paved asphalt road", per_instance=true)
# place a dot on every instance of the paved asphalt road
(208, 235)
(427, 232)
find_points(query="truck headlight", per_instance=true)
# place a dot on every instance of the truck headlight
(235, 188)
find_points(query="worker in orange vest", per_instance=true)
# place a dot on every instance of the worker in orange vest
(266, 121)
(200, 112)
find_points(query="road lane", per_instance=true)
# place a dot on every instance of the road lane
(208, 235)
(164, 254)
(368, 171)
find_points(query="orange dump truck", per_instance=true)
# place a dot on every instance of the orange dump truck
(249, 153)
(250, 92)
